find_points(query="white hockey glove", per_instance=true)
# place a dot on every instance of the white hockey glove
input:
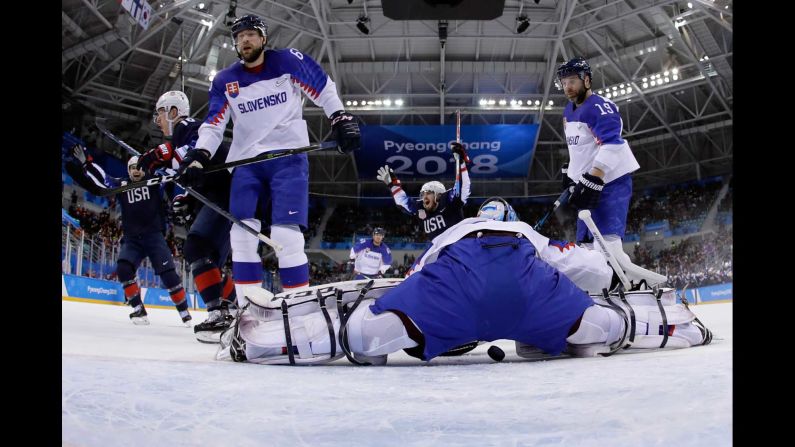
(387, 175)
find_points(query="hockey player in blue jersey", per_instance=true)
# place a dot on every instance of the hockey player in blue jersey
(262, 94)
(488, 277)
(440, 208)
(143, 221)
(206, 247)
(372, 257)
(600, 162)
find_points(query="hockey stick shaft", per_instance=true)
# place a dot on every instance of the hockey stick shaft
(201, 198)
(207, 202)
(455, 155)
(563, 198)
(261, 157)
(585, 216)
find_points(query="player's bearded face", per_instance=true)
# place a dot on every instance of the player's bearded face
(573, 87)
(250, 44)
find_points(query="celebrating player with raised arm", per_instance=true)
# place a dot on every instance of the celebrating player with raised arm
(440, 208)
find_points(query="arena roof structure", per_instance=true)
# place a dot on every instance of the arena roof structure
(667, 64)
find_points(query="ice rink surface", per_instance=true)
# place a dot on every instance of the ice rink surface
(126, 385)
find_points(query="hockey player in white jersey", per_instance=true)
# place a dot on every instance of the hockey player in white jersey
(600, 162)
(372, 257)
(262, 95)
(482, 279)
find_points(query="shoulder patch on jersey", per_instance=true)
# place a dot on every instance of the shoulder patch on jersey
(233, 88)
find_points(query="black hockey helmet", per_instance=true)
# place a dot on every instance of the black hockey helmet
(379, 230)
(249, 21)
(576, 66)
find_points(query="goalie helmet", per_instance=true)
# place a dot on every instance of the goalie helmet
(496, 208)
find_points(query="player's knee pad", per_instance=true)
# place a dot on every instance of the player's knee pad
(652, 319)
(373, 336)
(244, 245)
(125, 271)
(597, 325)
(311, 320)
(196, 247)
(170, 278)
(291, 238)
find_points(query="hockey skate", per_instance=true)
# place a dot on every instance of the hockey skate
(209, 331)
(186, 318)
(138, 317)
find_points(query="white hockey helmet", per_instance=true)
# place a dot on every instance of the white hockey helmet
(496, 208)
(433, 186)
(132, 166)
(167, 100)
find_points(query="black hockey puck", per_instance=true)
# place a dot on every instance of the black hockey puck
(496, 353)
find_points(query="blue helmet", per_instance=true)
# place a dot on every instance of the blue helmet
(249, 21)
(576, 66)
(496, 208)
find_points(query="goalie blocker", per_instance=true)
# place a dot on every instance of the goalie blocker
(330, 321)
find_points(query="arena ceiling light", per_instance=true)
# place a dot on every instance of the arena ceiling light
(522, 23)
(361, 24)
(375, 103)
(513, 103)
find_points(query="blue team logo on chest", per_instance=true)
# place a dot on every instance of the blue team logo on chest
(233, 89)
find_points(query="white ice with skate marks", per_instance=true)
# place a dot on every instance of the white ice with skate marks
(126, 385)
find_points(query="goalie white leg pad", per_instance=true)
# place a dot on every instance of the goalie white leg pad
(376, 335)
(659, 320)
(309, 322)
(266, 341)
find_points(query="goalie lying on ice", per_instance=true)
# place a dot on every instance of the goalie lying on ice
(481, 280)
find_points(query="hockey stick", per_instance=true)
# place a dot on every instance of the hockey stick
(456, 186)
(563, 198)
(201, 198)
(246, 161)
(585, 216)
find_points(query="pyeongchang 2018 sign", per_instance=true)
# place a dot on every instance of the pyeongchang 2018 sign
(501, 150)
